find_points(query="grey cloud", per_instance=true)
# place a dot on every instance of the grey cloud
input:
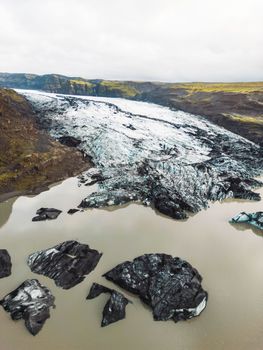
(169, 40)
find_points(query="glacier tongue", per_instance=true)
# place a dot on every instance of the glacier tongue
(144, 152)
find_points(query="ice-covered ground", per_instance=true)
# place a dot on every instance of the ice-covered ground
(171, 159)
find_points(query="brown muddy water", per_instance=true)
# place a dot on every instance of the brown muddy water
(229, 258)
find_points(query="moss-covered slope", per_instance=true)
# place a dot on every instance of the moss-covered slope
(236, 106)
(29, 158)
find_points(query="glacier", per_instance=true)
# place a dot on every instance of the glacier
(174, 161)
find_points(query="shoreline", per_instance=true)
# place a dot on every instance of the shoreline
(31, 160)
(42, 188)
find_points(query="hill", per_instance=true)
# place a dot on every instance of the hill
(30, 160)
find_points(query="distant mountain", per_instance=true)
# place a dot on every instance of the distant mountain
(236, 106)
(68, 85)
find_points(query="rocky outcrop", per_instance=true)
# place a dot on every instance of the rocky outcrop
(67, 263)
(114, 309)
(46, 214)
(170, 286)
(5, 263)
(69, 141)
(171, 160)
(254, 219)
(31, 301)
(30, 160)
(91, 177)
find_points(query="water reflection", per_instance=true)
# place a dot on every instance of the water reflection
(246, 226)
(6, 210)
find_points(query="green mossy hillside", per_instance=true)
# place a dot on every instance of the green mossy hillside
(29, 158)
(116, 89)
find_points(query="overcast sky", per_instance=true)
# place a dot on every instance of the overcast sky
(167, 40)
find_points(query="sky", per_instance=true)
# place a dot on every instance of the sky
(163, 40)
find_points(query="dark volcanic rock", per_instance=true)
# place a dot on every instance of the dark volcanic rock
(91, 177)
(114, 309)
(69, 141)
(46, 214)
(30, 301)
(67, 263)
(254, 219)
(73, 211)
(129, 126)
(5, 263)
(167, 206)
(170, 286)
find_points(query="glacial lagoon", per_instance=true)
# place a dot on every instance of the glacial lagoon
(228, 257)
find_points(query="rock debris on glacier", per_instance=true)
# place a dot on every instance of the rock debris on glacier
(172, 160)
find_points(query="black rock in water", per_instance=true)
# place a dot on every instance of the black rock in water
(170, 286)
(30, 301)
(69, 141)
(254, 219)
(114, 309)
(73, 211)
(46, 214)
(5, 263)
(67, 263)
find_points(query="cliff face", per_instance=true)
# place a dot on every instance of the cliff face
(238, 107)
(29, 158)
(67, 85)
(51, 83)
